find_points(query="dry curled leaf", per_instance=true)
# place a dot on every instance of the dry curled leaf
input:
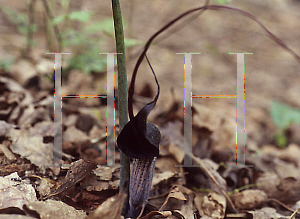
(31, 147)
(174, 193)
(104, 211)
(158, 214)
(77, 172)
(14, 192)
(14, 216)
(267, 213)
(4, 127)
(53, 209)
(249, 199)
(212, 205)
(286, 190)
(105, 178)
(187, 208)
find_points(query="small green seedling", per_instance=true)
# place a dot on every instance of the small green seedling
(283, 116)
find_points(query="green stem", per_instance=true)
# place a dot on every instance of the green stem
(122, 97)
(30, 28)
(55, 27)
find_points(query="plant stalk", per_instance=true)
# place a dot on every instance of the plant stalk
(55, 27)
(122, 98)
(30, 28)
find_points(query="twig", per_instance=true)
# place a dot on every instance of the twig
(199, 161)
(294, 213)
(282, 204)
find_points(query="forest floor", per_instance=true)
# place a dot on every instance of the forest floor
(268, 186)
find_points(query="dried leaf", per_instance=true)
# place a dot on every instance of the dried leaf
(286, 190)
(267, 213)
(14, 192)
(106, 178)
(104, 211)
(159, 177)
(4, 127)
(95, 185)
(44, 188)
(249, 199)
(54, 209)
(176, 152)
(217, 182)
(6, 151)
(212, 205)
(105, 173)
(14, 216)
(31, 147)
(174, 193)
(154, 214)
(187, 208)
(77, 172)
